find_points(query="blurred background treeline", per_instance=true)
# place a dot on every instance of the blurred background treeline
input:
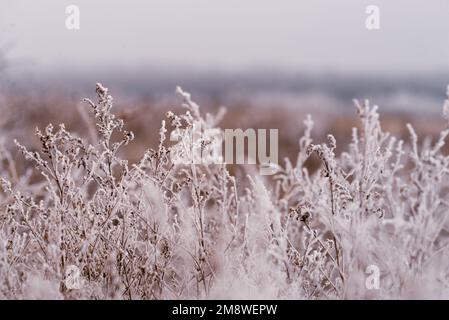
(270, 63)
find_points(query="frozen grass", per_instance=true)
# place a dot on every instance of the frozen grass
(159, 229)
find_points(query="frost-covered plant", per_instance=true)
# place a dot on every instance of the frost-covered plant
(167, 227)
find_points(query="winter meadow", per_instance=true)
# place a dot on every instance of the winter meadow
(81, 222)
(224, 150)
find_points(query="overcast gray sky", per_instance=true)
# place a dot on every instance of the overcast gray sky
(299, 35)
